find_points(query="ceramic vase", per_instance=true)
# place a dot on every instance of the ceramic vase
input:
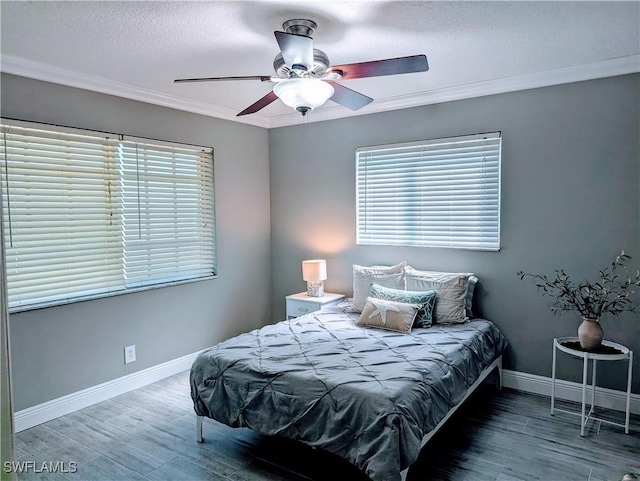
(590, 334)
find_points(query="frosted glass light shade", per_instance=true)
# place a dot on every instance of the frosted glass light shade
(314, 270)
(303, 94)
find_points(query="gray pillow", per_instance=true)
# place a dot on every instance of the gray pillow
(425, 299)
(454, 293)
(468, 301)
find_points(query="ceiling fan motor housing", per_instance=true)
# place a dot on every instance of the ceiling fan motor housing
(300, 26)
(304, 27)
(319, 67)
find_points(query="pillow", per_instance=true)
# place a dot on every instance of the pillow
(468, 302)
(389, 315)
(454, 293)
(425, 299)
(385, 276)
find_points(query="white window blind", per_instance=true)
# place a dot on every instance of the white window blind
(433, 193)
(168, 213)
(84, 218)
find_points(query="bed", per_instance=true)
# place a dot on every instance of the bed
(371, 396)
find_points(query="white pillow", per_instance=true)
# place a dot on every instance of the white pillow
(454, 293)
(363, 277)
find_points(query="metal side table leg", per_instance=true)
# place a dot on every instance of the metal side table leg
(593, 387)
(553, 377)
(628, 406)
(584, 395)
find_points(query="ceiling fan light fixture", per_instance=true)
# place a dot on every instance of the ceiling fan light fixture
(303, 94)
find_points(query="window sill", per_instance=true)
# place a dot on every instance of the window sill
(64, 302)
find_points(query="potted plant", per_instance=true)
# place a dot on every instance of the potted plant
(591, 299)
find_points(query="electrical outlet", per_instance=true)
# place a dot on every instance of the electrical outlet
(129, 354)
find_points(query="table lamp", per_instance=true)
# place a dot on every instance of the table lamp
(314, 272)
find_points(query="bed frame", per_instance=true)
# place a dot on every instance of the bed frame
(497, 364)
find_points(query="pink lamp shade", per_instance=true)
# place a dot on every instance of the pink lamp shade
(314, 272)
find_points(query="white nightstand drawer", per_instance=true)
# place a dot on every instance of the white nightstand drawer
(300, 308)
(301, 304)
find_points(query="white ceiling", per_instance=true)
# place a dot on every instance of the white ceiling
(136, 49)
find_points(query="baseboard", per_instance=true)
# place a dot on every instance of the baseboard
(571, 391)
(49, 410)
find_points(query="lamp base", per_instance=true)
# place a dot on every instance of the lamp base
(315, 288)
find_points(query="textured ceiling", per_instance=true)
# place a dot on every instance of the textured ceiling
(136, 49)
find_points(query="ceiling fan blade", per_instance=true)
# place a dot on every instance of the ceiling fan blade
(349, 98)
(260, 104)
(262, 78)
(377, 68)
(297, 50)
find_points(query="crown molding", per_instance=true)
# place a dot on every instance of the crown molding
(577, 73)
(48, 73)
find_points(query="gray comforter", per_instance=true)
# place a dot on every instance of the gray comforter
(365, 394)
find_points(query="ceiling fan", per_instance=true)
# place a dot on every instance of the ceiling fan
(305, 79)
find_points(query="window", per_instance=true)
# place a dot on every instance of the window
(433, 193)
(88, 216)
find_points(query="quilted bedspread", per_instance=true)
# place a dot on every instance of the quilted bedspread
(365, 394)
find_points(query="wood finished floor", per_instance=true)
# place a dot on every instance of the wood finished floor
(149, 434)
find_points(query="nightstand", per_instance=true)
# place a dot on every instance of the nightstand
(610, 351)
(301, 304)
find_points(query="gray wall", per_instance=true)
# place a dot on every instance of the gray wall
(571, 183)
(570, 199)
(61, 350)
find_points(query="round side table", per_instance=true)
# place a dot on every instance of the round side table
(612, 351)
